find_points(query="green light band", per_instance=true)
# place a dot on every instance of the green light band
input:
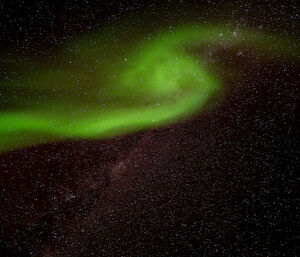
(97, 89)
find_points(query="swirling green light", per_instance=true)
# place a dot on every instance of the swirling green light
(97, 89)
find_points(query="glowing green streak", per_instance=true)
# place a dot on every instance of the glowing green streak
(102, 91)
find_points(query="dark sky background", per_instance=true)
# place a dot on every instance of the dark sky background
(220, 184)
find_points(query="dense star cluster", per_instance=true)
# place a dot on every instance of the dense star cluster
(148, 129)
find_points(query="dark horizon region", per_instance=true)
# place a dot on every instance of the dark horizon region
(222, 183)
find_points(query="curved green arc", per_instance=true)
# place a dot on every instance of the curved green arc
(174, 83)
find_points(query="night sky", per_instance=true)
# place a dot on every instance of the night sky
(221, 183)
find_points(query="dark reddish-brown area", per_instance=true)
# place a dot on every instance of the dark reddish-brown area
(221, 183)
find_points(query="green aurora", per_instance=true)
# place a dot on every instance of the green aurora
(101, 86)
